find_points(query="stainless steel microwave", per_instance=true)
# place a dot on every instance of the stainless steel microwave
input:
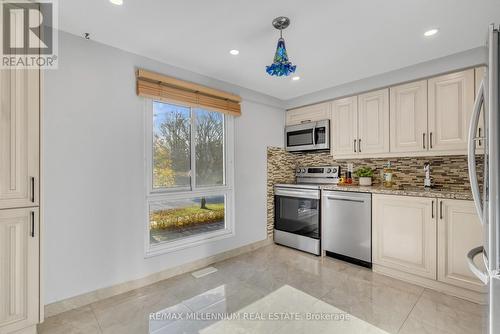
(309, 136)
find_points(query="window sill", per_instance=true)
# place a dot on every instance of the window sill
(173, 246)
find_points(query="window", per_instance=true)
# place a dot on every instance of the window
(189, 175)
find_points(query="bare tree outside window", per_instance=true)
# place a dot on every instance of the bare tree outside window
(209, 148)
(173, 167)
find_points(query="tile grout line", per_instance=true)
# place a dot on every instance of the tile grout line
(96, 319)
(406, 319)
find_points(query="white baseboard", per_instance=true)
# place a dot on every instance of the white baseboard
(473, 296)
(94, 296)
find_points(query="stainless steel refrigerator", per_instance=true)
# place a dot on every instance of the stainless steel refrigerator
(487, 195)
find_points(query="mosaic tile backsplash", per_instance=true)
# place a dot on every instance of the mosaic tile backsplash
(447, 172)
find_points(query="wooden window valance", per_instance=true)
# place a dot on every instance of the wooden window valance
(161, 87)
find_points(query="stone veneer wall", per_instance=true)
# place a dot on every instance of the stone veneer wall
(447, 172)
(280, 169)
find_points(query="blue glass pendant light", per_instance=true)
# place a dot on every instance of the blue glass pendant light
(281, 66)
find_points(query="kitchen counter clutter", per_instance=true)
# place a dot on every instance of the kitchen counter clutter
(443, 193)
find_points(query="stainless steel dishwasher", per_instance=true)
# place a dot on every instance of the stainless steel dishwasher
(346, 226)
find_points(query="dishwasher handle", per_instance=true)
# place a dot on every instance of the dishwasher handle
(346, 199)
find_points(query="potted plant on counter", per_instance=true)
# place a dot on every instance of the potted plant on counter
(365, 175)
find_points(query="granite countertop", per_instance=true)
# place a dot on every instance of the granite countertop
(404, 191)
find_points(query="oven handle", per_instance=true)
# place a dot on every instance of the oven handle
(302, 193)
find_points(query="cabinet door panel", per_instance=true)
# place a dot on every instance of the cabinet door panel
(408, 117)
(19, 133)
(373, 122)
(344, 126)
(459, 230)
(317, 112)
(19, 269)
(404, 234)
(451, 98)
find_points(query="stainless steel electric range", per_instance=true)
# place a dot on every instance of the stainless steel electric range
(297, 208)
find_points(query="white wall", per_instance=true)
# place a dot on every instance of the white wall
(93, 169)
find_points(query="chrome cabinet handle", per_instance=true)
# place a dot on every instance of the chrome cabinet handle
(423, 140)
(354, 145)
(479, 135)
(32, 224)
(32, 184)
(305, 121)
(432, 209)
(359, 145)
(430, 140)
(441, 210)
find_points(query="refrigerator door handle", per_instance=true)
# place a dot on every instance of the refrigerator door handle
(484, 277)
(472, 151)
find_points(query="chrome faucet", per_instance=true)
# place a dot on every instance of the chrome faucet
(427, 180)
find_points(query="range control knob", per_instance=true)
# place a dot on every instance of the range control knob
(303, 170)
(334, 170)
(298, 170)
(329, 170)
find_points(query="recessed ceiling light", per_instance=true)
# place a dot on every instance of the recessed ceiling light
(431, 32)
(234, 52)
(296, 78)
(116, 2)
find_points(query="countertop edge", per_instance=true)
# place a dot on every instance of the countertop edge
(432, 193)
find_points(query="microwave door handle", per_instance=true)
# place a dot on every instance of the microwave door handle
(314, 133)
(471, 151)
(472, 266)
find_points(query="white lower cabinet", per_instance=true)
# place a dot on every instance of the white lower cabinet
(459, 230)
(404, 234)
(425, 241)
(19, 269)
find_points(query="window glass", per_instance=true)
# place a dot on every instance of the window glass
(171, 146)
(183, 218)
(209, 149)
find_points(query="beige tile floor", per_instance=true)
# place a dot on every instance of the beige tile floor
(276, 282)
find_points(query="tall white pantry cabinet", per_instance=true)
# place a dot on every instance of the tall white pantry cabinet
(20, 308)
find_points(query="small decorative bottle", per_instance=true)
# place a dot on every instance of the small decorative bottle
(388, 173)
(349, 173)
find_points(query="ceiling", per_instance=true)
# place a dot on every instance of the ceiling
(331, 42)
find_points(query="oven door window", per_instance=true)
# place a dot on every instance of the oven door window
(299, 138)
(297, 215)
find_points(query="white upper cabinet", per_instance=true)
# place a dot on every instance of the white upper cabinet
(451, 98)
(459, 230)
(344, 126)
(373, 122)
(19, 138)
(408, 114)
(317, 112)
(480, 73)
